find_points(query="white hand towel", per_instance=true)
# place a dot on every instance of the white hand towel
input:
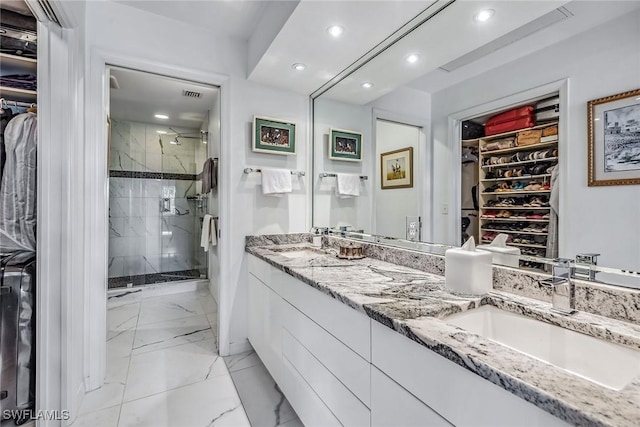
(206, 232)
(276, 181)
(347, 185)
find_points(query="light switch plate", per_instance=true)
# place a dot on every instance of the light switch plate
(413, 227)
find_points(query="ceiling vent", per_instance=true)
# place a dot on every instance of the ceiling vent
(534, 26)
(191, 94)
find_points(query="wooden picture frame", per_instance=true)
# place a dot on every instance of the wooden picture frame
(273, 136)
(396, 169)
(614, 139)
(345, 145)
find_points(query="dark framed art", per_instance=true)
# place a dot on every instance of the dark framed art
(396, 169)
(273, 136)
(614, 139)
(345, 145)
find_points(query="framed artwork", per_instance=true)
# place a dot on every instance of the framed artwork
(345, 145)
(274, 136)
(396, 169)
(614, 139)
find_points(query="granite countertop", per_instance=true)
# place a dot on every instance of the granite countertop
(415, 304)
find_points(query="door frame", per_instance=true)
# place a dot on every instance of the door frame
(97, 194)
(454, 125)
(424, 158)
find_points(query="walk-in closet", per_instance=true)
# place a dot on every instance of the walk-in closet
(18, 152)
(509, 178)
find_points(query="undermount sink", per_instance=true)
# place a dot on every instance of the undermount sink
(602, 362)
(301, 253)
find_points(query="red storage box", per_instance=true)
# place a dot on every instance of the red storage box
(524, 122)
(511, 115)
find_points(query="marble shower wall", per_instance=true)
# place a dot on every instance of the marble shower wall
(138, 147)
(142, 238)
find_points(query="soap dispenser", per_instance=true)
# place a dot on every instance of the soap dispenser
(467, 270)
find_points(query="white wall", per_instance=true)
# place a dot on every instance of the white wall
(601, 62)
(118, 31)
(404, 105)
(394, 205)
(329, 210)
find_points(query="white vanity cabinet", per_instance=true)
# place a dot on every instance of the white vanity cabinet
(336, 366)
(460, 396)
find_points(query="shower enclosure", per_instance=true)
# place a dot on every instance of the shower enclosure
(155, 209)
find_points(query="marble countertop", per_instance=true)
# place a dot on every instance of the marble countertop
(416, 303)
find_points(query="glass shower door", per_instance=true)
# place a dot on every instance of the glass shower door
(182, 257)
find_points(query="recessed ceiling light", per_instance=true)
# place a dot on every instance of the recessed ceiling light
(161, 132)
(484, 15)
(638, 98)
(298, 67)
(596, 119)
(161, 116)
(367, 85)
(412, 58)
(335, 30)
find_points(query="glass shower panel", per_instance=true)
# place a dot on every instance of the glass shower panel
(182, 257)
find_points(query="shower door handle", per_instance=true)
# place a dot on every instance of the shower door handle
(166, 204)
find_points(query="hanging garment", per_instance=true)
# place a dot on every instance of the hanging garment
(18, 191)
(209, 235)
(209, 175)
(6, 114)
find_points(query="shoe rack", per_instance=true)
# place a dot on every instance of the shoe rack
(515, 189)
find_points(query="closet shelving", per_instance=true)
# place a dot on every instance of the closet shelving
(535, 240)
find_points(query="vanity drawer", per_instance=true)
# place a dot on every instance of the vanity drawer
(308, 406)
(346, 324)
(447, 387)
(265, 325)
(392, 405)
(341, 402)
(268, 274)
(346, 365)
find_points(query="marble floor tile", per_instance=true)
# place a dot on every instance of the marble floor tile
(117, 369)
(154, 336)
(103, 418)
(169, 307)
(208, 304)
(120, 343)
(292, 423)
(242, 361)
(207, 403)
(161, 370)
(213, 321)
(123, 297)
(110, 394)
(263, 401)
(123, 317)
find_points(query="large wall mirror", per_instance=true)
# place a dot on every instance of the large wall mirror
(409, 144)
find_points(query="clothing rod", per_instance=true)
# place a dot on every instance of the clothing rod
(325, 174)
(9, 103)
(249, 170)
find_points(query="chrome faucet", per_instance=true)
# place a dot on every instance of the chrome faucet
(585, 266)
(563, 289)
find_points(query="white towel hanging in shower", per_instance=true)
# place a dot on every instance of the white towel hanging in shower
(205, 239)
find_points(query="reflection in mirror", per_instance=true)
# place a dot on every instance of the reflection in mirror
(528, 180)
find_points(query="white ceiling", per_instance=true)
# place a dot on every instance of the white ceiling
(586, 15)
(234, 18)
(304, 39)
(141, 95)
(452, 33)
(447, 36)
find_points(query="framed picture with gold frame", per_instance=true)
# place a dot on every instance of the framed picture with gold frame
(614, 139)
(396, 169)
